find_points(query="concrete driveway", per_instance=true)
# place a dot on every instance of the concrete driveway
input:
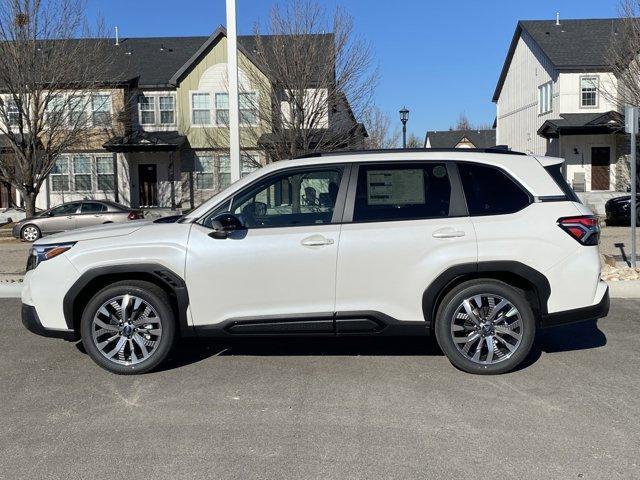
(343, 409)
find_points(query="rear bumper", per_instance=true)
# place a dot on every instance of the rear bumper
(585, 314)
(31, 321)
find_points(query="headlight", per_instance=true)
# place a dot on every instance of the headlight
(41, 253)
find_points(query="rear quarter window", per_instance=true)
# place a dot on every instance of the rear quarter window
(490, 191)
(555, 171)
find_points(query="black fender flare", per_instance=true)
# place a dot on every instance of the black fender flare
(161, 274)
(434, 292)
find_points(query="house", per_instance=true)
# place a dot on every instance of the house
(168, 101)
(556, 95)
(460, 139)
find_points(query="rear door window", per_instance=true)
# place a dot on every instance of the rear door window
(402, 191)
(93, 207)
(556, 173)
(490, 191)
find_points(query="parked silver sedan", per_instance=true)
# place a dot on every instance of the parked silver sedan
(69, 216)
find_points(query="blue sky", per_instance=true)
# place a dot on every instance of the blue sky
(439, 58)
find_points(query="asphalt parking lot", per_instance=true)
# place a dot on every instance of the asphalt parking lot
(344, 409)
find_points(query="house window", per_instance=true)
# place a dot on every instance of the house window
(204, 172)
(201, 108)
(101, 109)
(77, 111)
(82, 173)
(589, 91)
(167, 105)
(105, 173)
(55, 113)
(60, 175)
(222, 109)
(147, 110)
(248, 108)
(224, 171)
(545, 98)
(13, 114)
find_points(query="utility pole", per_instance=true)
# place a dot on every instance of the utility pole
(232, 75)
(631, 126)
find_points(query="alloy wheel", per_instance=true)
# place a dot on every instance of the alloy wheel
(487, 329)
(30, 234)
(126, 330)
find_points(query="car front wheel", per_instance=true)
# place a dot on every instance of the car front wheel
(30, 233)
(485, 327)
(128, 327)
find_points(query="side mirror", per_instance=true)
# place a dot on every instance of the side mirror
(224, 225)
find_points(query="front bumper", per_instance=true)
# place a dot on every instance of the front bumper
(31, 321)
(593, 312)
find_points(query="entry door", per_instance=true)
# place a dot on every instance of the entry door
(148, 180)
(281, 269)
(600, 168)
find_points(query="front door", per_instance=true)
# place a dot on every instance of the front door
(280, 271)
(62, 218)
(148, 180)
(600, 168)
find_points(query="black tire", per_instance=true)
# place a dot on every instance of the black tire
(156, 298)
(28, 228)
(453, 301)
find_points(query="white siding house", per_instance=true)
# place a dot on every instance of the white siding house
(556, 96)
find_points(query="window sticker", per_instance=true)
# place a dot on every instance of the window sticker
(395, 187)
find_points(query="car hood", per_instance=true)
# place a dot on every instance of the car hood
(90, 233)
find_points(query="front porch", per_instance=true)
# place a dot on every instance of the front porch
(595, 149)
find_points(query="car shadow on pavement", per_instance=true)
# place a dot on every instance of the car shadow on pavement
(565, 338)
(580, 336)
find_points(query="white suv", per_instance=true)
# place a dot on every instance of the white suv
(480, 248)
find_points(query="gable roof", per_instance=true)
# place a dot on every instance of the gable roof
(575, 45)
(594, 122)
(451, 138)
(157, 62)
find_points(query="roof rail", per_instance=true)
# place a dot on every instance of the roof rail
(497, 149)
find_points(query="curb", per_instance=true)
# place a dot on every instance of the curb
(624, 289)
(10, 289)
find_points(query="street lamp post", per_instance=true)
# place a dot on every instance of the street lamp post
(404, 118)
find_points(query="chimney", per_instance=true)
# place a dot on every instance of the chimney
(557, 19)
(117, 37)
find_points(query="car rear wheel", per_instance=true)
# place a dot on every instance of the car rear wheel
(485, 327)
(128, 327)
(30, 233)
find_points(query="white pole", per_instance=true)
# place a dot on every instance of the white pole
(232, 75)
(634, 189)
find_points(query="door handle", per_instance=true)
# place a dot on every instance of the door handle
(316, 241)
(448, 233)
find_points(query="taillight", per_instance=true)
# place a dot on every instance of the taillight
(135, 215)
(584, 229)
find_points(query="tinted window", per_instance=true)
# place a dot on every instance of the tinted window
(402, 191)
(556, 173)
(92, 207)
(294, 198)
(66, 209)
(489, 191)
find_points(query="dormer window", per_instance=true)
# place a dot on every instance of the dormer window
(589, 91)
(545, 98)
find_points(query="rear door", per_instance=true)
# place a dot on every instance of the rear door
(91, 213)
(405, 223)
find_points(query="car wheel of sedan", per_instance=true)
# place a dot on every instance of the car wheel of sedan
(30, 233)
(485, 326)
(128, 327)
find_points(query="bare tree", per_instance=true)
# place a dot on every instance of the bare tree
(47, 77)
(378, 125)
(313, 85)
(623, 56)
(463, 123)
(414, 141)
